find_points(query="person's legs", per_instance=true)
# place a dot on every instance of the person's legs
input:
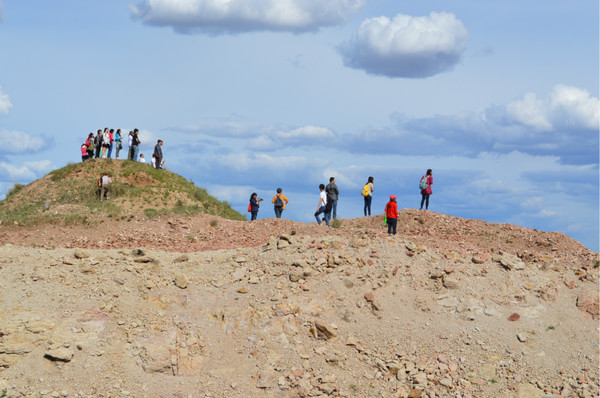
(117, 150)
(392, 222)
(278, 211)
(422, 201)
(326, 218)
(130, 153)
(368, 203)
(426, 201)
(136, 152)
(334, 207)
(317, 213)
(110, 148)
(254, 214)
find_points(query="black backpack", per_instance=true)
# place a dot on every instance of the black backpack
(278, 202)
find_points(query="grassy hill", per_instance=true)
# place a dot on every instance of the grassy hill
(70, 195)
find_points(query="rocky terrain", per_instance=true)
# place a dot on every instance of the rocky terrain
(200, 306)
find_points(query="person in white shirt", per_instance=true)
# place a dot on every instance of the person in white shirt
(142, 159)
(321, 207)
(105, 188)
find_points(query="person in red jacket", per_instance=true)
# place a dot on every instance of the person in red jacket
(391, 213)
(425, 185)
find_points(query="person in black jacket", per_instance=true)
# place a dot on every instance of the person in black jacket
(158, 155)
(332, 197)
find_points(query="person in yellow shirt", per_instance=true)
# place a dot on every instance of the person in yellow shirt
(279, 201)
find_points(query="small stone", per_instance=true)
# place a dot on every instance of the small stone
(446, 382)
(522, 337)
(79, 254)
(369, 297)
(242, 290)
(324, 331)
(450, 283)
(415, 393)
(60, 354)
(514, 317)
(180, 279)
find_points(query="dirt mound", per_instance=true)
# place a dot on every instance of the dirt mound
(137, 190)
(200, 306)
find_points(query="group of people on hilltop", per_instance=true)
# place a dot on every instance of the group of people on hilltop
(101, 146)
(328, 198)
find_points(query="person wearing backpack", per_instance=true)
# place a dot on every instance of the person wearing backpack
(279, 201)
(105, 182)
(425, 186)
(367, 193)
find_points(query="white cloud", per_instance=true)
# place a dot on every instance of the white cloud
(28, 171)
(237, 16)
(567, 107)
(5, 103)
(13, 142)
(406, 46)
(574, 106)
(308, 132)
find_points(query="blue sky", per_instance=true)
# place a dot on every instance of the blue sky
(500, 99)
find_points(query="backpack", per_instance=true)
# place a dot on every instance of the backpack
(423, 183)
(99, 183)
(365, 191)
(249, 206)
(278, 202)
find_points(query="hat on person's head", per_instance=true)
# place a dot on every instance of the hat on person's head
(392, 197)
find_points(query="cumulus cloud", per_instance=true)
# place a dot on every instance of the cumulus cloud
(567, 107)
(28, 171)
(407, 46)
(216, 17)
(303, 136)
(564, 125)
(17, 142)
(5, 103)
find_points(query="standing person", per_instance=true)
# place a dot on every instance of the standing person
(84, 153)
(322, 206)
(279, 201)
(391, 213)
(98, 144)
(367, 193)
(136, 144)
(105, 143)
(118, 143)
(332, 195)
(111, 136)
(425, 186)
(254, 205)
(105, 188)
(90, 146)
(158, 155)
(130, 145)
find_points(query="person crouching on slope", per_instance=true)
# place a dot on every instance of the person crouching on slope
(391, 212)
